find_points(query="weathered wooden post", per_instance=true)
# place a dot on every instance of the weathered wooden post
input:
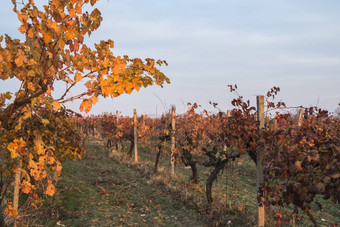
(173, 128)
(135, 133)
(299, 124)
(300, 119)
(143, 122)
(17, 186)
(259, 165)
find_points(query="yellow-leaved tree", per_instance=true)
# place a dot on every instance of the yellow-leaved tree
(36, 133)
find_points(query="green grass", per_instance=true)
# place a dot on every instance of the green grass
(98, 191)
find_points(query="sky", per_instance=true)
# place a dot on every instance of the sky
(209, 44)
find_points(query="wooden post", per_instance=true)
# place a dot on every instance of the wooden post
(300, 120)
(118, 139)
(135, 133)
(259, 165)
(17, 186)
(173, 128)
(299, 124)
(275, 125)
(143, 122)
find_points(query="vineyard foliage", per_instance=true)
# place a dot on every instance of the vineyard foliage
(36, 131)
(300, 161)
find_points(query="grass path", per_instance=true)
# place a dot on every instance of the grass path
(98, 191)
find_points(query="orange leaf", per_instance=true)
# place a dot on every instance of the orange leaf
(69, 35)
(22, 17)
(78, 9)
(56, 105)
(30, 33)
(39, 147)
(20, 58)
(31, 73)
(78, 77)
(75, 45)
(48, 92)
(31, 86)
(119, 66)
(22, 29)
(58, 168)
(50, 189)
(15, 147)
(94, 99)
(47, 36)
(72, 13)
(26, 187)
(86, 105)
(61, 44)
(54, 25)
(10, 211)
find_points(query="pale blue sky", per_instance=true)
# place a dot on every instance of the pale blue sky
(208, 44)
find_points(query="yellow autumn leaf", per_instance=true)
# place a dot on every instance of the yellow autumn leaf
(45, 121)
(50, 189)
(119, 66)
(56, 105)
(48, 92)
(78, 9)
(78, 77)
(86, 105)
(20, 58)
(76, 46)
(42, 160)
(47, 36)
(15, 147)
(72, 13)
(22, 29)
(93, 2)
(22, 17)
(31, 86)
(31, 73)
(58, 168)
(32, 164)
(69, 35)
(30, 33)
(39, 145)
(54, 25)
(50, 160)
(61, 44)
(10, 211)
(26, 186)
(94, 99)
